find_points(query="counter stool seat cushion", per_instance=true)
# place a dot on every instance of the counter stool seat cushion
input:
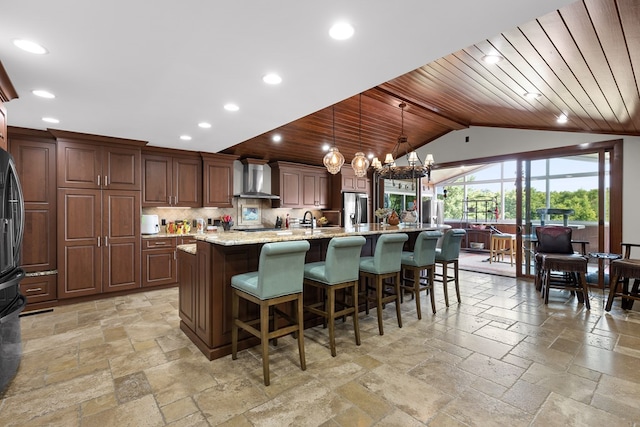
(384, 264)
(339, 271)
(422, 258)
(278, 280)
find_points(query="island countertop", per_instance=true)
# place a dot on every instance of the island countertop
(234, 238)
(205, 294)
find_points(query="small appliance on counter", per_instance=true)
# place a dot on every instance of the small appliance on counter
(149, 224)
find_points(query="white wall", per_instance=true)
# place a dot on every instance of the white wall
(487, 142)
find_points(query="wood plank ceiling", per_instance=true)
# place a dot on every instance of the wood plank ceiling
(583, 60)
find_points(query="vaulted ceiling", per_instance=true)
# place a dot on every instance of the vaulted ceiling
(583, 60)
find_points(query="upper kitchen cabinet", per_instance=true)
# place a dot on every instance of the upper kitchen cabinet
(217, 177)
(96, 162)
(347, 181)
(300, 186)
(171, 178)
(7, 93)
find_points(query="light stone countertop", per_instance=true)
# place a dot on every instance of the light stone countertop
(234, 238)
(162, 235)
(189, 248)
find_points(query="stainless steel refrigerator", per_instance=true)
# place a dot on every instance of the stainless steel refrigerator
(355, 208)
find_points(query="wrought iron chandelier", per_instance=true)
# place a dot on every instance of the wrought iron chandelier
(415, 168)
(360, 163)
(333, 160)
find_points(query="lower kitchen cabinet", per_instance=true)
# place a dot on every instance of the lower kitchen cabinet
(39, 288)
(187, 288)
(159, 264)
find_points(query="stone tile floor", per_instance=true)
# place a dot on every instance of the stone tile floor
(501, 358)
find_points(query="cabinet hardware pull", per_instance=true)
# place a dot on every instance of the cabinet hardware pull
(106, 180)
(33, 290)
(98, 180)
(106, 241)
(174, 254)
(160, 243)
(98, 241)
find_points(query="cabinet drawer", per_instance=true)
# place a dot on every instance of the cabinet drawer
(39, 288)
(186, 240)
(159, 243)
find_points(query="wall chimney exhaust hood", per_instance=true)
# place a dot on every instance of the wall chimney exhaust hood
(252, 180)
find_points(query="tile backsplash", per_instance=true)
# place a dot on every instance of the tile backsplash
(268, 213)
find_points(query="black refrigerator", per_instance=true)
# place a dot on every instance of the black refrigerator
(12, 302)
(354, 208)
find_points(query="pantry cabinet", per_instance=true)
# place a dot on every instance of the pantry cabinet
(300, 186)
(171, 178)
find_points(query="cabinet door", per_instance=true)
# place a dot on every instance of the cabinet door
(121, 245)
(36, 164)
(121, 168)
(187, 288)
(187, 182)
(218, 183)
(79, 165)
(324, 191)
(79, 251)
(309, 190)
(290, 190)
(156, 180)
(159, 262)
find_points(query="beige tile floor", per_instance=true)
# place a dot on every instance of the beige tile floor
(499, 358)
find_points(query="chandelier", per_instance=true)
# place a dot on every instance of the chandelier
(333, 160)
(415, 168)
(360, 164)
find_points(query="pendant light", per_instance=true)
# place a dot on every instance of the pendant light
(333, 160)
(360, 163)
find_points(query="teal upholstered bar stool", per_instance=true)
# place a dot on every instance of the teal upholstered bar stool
(384, 264)
(277, 281)
(448, 253)
(338, 271)
(422, 258)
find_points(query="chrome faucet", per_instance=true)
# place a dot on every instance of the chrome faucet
(306, 221)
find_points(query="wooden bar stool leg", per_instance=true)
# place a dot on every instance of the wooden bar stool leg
(379, 285)
(356, 325)
(431, 278)
(332, 321)
(456, 279)
(397, 288)
(416, 292)
(235, 308)
(264, 332)
(300, 314)
(613, 289)
(444, 283)
(582, 277)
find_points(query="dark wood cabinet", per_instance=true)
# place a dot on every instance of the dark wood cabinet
(300, 186)
(347, 181)
(217, 177)
(7, 93)
(187, 288)
(3, 127)
(171, 180)
(35, 155)
(39, 288)
(91, 165)
(159, 264)
(98, 242)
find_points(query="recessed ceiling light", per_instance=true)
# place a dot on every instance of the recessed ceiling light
(562, 118)
(370, 156)
(43, 93)
(204, 125)
(276, 137)
(29, 46)
(272, 79)
(326, 147)
(492, 59)
(231, 107)
(185, 137)
(532, 95)
(50, 120)
(341, 31)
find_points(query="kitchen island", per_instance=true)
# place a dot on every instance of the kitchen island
(205, 293)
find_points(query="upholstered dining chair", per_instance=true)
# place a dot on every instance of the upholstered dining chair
(384, 264)
(278, 280)
(422, 258)
(554, 253)
(448, 253)
(621, 272)
(338, 271)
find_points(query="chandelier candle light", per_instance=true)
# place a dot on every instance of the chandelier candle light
(415, 169)
(333, 160)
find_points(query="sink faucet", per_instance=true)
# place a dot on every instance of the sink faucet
(304, 218)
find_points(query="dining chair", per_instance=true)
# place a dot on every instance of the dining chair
(621, 272)
(422, 258)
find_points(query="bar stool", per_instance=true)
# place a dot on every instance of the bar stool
(621, 271)
(338, 271)
(422, 258)
(448, 253)
(385, 263)
(499, 248)
(277, 281)
(555, 253)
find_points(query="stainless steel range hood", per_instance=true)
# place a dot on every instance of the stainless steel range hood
(252, 180)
